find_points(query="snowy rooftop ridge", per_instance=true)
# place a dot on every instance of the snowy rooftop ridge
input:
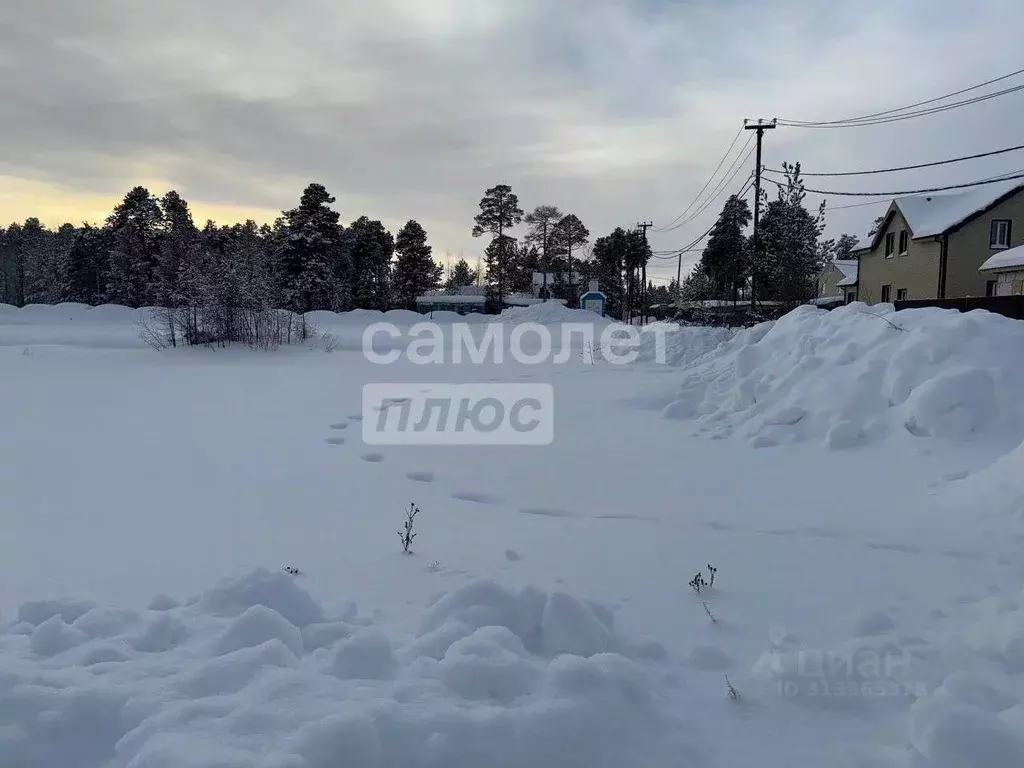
(1014, 257)
(849, 268)
(931, 215)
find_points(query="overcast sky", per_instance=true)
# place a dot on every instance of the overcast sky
(616, 110)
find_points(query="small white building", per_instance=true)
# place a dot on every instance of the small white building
(1005, 271)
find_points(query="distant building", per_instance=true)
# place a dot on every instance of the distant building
(471, 299)
(1004, 273)
(837, 282)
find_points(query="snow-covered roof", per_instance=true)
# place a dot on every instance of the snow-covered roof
(445, 298)
(931, 215)
(1009, 259)
(849, 270)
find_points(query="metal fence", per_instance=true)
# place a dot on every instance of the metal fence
(1008, 306)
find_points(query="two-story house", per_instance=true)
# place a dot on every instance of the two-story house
(933, 246)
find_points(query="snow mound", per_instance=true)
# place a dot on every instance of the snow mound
(996, 492)
(276, 591)
(551, 313)
(684, 345)
(229, 681)
(853, 376)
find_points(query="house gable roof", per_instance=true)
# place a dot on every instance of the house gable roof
(849, 269)
(934, 215)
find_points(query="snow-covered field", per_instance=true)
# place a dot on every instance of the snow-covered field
(856, 477)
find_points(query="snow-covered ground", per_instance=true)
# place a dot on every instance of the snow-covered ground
(854, 476)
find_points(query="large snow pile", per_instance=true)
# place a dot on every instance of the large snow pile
(683, 345)
(857, 374)
(254, 673)
(550, 313)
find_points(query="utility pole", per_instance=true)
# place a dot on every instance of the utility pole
(642, 226)
(679, 279)
(760, 126)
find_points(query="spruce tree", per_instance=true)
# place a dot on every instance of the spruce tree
(13, 256)
(499, 211)
(309, 241)
(460, 276)
(179, 245)
(370, 248)
(88, 264)
(134, 228)
(38, 267)
(415, 270)
(790, 256)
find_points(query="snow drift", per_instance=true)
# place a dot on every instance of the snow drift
(852, 376)
(253, 673)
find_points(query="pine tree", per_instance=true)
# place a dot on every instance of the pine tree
(309, 245)
(460, 276)
(844, 246)
(542, 221)
(370, 247)
(725, 257)
(134, 228)
(88, 264)
(635, 258)
(499, 266)
(415, 270)
(499, 211)
(570, 235)
(610, 256)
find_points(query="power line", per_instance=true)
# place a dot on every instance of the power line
(893, 113)
(886, 198)
(691, 247)
(905, 115)
(706, 184)
(910, 167)
(733, 171)
(908, 191)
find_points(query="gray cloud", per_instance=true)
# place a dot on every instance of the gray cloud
(410, 108)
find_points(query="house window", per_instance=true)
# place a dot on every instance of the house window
(904, 242)
(999, 234)
(886, 294)
(901, 294)
(990, 288)
(890, 244)
(851, 296)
